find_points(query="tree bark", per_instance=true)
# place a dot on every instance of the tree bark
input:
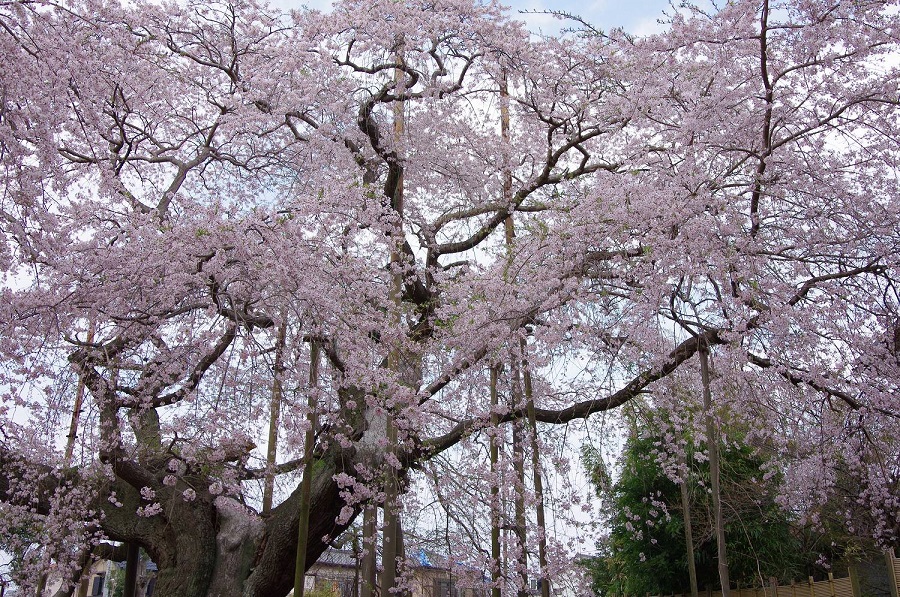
(76, 410)
(273, 565)
(391, 549)
(515, 372)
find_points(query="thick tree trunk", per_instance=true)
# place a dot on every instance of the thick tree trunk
(187, 558)
(220, 548)
(272, 571)
(212, 547)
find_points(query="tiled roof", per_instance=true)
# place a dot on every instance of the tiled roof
(344, 558)
(337, 557)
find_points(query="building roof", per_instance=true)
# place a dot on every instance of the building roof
(150, 565)
(345, 558)
(338, 557)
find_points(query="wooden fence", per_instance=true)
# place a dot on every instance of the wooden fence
(894, 569)
(833, 587)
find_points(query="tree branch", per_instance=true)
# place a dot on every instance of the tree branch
(582, 410)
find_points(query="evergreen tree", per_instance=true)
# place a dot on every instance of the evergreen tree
(645, 550)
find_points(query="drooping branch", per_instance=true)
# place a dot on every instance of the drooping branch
(23, 480)
(797, 379)
(105, 354)
(872, 267)
(582, 410)
(190, 383)
(548, 177)
(240, 316)
(437, 385)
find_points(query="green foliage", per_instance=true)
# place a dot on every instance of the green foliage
(596, 468)
(115, 580)
(646, 552)
(21, 537)
(841, 527)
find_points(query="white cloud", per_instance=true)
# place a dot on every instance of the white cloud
(647, 26)
(535, 19)
(323, 5)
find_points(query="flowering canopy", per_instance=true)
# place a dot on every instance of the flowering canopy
(194, 193)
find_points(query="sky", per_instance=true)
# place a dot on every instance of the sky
(638, 17)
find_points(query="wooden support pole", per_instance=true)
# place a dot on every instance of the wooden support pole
(132, 561)
(274, 418)
(536, 473)
(712, 439)
(308, 466)
(495, 488)
(370, 544)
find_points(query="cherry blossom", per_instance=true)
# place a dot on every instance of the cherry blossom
(181, 181)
